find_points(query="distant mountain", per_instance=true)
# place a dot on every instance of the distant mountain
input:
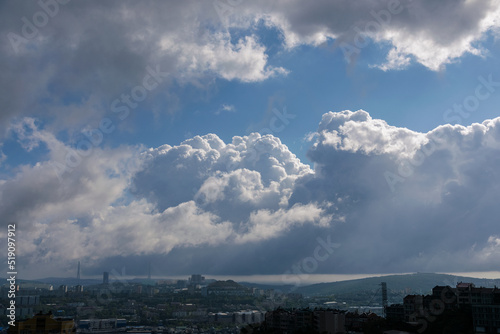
(283, 288)
(226, 284)
(72, 281)
(397, 285)
(352, 291)
(69, 281)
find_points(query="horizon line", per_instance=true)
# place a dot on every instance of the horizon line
(277, 279)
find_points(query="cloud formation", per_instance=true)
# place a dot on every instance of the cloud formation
(78, 57)
(204, 204)
(432, 33)
(84, 55)
(429, 195)
(119, 203)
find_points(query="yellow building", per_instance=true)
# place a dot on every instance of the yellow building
(43, 324)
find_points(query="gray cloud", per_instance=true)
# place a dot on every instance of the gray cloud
(430, 196)
(67, 66)
(71, 66)
(374, 187)
(208, 204)
(203, 193)
(433, 33)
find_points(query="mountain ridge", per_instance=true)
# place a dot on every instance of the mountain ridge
(417, 283)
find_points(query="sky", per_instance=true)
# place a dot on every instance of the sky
(238, 137)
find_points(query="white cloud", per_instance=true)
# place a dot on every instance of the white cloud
(89, 54)
(491, 251)
(357, 131)
(245, 61)
(433, 33)
(187, 40)
(69, 89)
(264, 224)
(395, 61)
(202, 193)
(253, 190)
(37, 193)
(226, 108)
(205, 200)
(438, 204)
(3, 157)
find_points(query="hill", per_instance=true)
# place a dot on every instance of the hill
(398, 286)
(276, 287)
(69, 281)
(229, 284)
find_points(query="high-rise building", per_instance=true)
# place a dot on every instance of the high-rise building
(196, 279)
(105, 277)
(43, 323)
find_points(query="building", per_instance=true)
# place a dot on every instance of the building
(102, 325)
(484, 303)
(481, 304)
(105, 277)
(24, 306)
(326, 321)
(226, 288)
(43, 324)
(447, 295)
(468, 294)
(238, 318)
(395, 313)
(358, 322)
(413, 307)
(279, 320)
(330, 321)
(196, 279)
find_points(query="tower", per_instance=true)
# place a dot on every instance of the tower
(384, 296)
(149, 270)
(78, 273)
(105, 277)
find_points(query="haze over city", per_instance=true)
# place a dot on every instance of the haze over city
(244, 137)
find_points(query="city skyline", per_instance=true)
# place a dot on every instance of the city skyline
(278, 279)
(244, 138)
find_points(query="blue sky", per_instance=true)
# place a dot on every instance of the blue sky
(257, 132)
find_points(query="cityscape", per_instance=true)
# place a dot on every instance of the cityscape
(201, 305)
(250, 166)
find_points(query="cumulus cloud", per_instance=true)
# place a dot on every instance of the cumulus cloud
(122, 203)
(210, 169)
(357, 131)
(247, 182)
(207, 204)
(36, 192)
(429, 195)
(373, 185)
